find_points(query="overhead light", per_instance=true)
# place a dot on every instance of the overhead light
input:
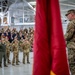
(33, 3)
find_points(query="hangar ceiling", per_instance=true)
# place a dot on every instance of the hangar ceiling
(64, 5)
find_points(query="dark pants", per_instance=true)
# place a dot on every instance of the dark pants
(2, 55)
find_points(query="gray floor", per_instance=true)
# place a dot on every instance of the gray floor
(22, 69)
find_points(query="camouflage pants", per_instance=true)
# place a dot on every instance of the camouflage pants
(71, 58)
(24, 56)
(18, 56)
(15, 57)
(8, 55)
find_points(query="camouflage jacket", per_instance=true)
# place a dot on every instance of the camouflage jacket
(70, 34)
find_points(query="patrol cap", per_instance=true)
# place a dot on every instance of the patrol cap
(70, 11)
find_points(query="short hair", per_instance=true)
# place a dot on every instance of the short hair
(70, 11)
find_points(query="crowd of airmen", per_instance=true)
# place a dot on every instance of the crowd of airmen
(15, 41)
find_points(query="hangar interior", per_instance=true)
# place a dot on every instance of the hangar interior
(20, 14)
(17, 13)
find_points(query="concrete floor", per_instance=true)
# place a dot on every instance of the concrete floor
(22, 69)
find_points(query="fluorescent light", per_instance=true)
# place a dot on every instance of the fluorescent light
(33, 3)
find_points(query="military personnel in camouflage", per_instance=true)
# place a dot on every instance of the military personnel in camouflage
(20, 44)
(16, 40)
(70, 38)
(7, 43)
(15, 52)
(26, 50)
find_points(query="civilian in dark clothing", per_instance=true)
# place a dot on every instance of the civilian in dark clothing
(14, 34)
(9, 37)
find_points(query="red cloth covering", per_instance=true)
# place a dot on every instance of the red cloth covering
(49, 44)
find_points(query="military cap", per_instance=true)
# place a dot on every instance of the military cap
(70, 11)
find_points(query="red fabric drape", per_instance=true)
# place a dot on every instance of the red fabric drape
(49, 44)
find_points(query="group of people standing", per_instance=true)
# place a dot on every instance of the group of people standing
(15, 41)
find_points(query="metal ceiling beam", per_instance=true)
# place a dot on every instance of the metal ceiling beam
(67, 5)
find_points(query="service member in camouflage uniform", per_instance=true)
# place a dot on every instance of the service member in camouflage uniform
(7, 43)
(20, 44)
(26, 50)
(16, 40)
(15, 52)
(70, 38)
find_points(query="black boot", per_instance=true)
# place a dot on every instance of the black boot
(9, 62)
(23, 62)
(28, 62)
(5, 65)
(17, 64)
(13, 64)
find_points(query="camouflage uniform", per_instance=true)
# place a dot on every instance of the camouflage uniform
(31, 43)
(7, 43)
(70, 38)
(26, 50)
(20, 44)
(17, 42)
(15, 53)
